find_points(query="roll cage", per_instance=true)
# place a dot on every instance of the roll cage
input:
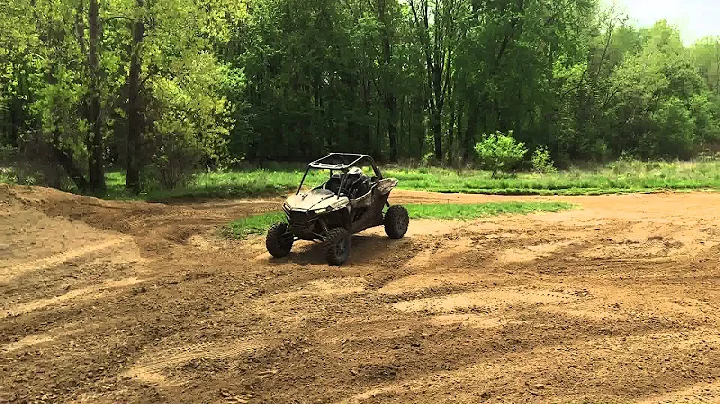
(340, 162)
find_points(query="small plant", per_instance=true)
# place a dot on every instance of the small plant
(428, 160)
(30, 181)
(498, 152)
(542, 162)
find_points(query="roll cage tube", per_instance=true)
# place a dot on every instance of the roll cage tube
(327, 163)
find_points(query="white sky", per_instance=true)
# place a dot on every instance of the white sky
(695, 18)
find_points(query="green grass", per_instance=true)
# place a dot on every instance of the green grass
(258, 224)
(255, 224)
(618, 177)
(479, 210)
(230, 184)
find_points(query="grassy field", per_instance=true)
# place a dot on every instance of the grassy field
(618, 177)
(258, 224)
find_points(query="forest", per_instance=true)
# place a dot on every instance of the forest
(161, 89)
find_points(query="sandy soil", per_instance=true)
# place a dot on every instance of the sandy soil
(132, 302)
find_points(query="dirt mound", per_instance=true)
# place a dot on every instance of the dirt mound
(155, 224)
(106, 301)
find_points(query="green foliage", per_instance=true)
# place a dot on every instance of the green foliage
(259, 224)
(7, 176)
(45, 82)
(498, 152)
(542, 162)
(190, 121)
(224, 83)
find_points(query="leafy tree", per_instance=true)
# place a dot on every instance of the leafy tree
(706, 57)
(164, 88)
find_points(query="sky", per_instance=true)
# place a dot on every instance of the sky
(695, 18)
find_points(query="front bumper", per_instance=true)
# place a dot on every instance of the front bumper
(302, 223)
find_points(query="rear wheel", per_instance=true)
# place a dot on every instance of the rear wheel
(337, 246)
(279, 240)
(396, 221)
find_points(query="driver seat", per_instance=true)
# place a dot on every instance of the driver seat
(333, 184)
(358, 184)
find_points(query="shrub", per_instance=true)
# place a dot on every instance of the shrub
(542, 162)
(428, 160)
(498, 152)
(173, 162)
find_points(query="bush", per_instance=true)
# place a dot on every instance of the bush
(542, 162)
(173, 163)
(498, 152)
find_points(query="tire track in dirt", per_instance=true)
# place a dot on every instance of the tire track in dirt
(77, 295)
(699, 393)
(150, 367)
(525, 377)
(9, 273)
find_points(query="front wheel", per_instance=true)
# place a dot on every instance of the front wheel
(337, 246)
(279, 240)
(396, 221)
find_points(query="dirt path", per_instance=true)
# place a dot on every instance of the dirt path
(133, 302)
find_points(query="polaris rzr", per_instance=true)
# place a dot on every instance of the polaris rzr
(347, 203)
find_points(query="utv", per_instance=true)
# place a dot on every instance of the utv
(348, 203)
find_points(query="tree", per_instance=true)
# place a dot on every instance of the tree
(134, 103)
(706, 56)
(497, 152)
(435, 39)
(95, 142)
(165, 88)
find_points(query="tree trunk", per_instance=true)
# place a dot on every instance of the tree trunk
(434, 63)
(391, 105)
(65, 159)
(368, 128)
(15, 121)
(135, 115)
(439, 93)
(96, 166)
(376, 148)
(388, 83)
(452, 143)
(402, 141)
(437, 133)
(462, 153)
(471, 130)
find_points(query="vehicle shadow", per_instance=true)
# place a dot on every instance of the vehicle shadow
(366, 248)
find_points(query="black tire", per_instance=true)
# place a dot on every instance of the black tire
(396, 222)
(279, 240)
(337, 245)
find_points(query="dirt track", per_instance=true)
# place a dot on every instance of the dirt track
(133, 302)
